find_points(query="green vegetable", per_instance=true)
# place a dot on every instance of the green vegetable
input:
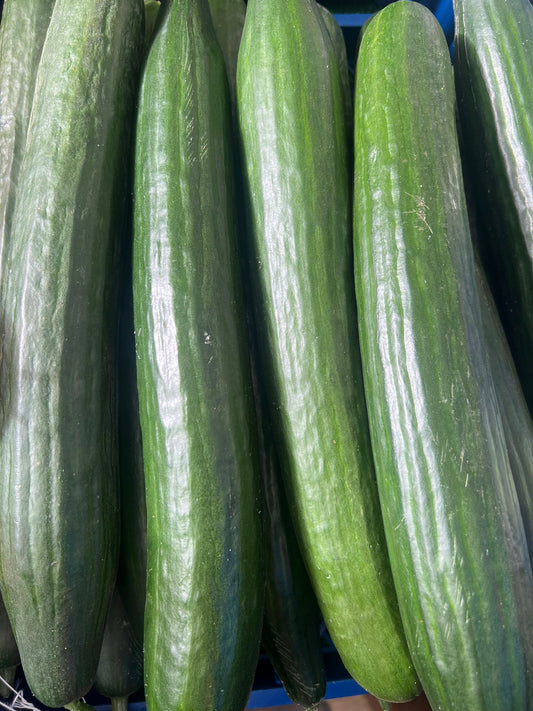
(228, 20)
(451, 514)
(151, 11)
(339, 44)
(517, 420)
(291, 626)
(291, 630)
(58, 495)
(296, 171)
(120, 668)
(493, 68)
(205, 581)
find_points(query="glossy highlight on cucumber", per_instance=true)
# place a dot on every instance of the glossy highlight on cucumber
(295, 147)
(205, 584)
(451, 513)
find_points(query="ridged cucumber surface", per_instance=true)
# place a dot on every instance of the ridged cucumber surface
(516, 417)
(339, 45)
(493, 69)
(451, 514)
(205, 584)
(22, 33)
(58, 495)
(296, 172)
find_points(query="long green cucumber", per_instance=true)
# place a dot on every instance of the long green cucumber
(451, 514)
(297, 177)
(58, 494)
(131, 576)
(151, 11)
(205, 584)
(292, 619)
(493, 69)
(339, 45)
(516, 417)
(120, 667)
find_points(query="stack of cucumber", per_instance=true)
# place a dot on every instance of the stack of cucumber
(265, 352)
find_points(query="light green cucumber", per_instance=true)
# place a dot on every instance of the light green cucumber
(295, 148)
(455, 535)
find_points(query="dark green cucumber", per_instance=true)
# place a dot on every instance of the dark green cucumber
(291, 629)
(9, 653)
(454, 531)
(59, 513)
(205, 584)
(151, 11)
(296, 170)
(120, 668)
(131, 577)
(292, 619)
(228, 21)
(8, 678)
(516, 417)
(493, 69)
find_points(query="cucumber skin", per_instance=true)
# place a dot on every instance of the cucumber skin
(22, 33)
(516, 417)
(292, 619)
(205, 584)
(454, 531)
(291, 628)
(339, 45)
(493, 60)
(228, 20)
(59, 534)
(295, 157)
(120, 667)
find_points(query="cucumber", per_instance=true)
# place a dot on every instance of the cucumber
(228, 20)
(339, 44)
(493, 69)
(9, 653)
(517, 420)
(205, 584)
(131, 576)
(296, 171)
(58, 496)
(454, 531)
(151, 11)
(292, 624)
(120, 667)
